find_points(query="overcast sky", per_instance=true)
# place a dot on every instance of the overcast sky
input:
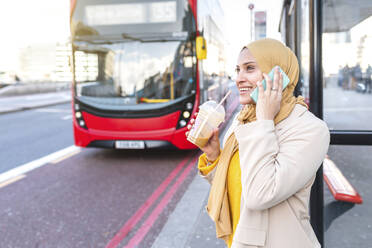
(24, 22)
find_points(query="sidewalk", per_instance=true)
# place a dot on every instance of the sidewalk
(18, 103)
(189, 225)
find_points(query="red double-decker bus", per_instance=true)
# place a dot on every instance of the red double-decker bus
(137, 79)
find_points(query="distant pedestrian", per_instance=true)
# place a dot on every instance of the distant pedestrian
(346, 77)
(368, 79)
(356, 76)
(261, 179)
(340, 76)
(16, 79)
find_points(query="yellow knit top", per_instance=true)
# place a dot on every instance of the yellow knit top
(234, 186)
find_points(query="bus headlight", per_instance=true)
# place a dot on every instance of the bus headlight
(186, 114)
(182, 123)
(79, 116)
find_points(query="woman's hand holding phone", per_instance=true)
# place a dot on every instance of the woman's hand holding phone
(268, 103)
(212, 148)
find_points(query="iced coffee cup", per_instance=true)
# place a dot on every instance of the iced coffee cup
(210, 116)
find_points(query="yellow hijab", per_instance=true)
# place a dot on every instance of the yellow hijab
(268, 53)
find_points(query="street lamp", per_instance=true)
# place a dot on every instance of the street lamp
(251, 7)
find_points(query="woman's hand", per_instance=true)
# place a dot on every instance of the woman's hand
(212, 148)
(268, 103)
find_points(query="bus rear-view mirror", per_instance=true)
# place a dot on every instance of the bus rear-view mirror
(201, 48)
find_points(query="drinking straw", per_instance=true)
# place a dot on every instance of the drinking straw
(223, 99)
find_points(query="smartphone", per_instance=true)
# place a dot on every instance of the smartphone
(254, 94)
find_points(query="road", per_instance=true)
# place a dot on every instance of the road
(85, 200)
(32, 134)
(114, 198)
(88, 197)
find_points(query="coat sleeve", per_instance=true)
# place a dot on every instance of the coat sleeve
(272, 171)
(207, 171)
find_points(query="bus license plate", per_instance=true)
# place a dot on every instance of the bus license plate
(129, 144)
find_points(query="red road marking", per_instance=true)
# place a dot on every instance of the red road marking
(146, 226)
(155, 195)
(123, 232)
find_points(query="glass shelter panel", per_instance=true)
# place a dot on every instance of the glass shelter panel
(347, 105)
(305, 49)
(347, 224)
(347, 64)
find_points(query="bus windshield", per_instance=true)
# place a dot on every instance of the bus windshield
(139, 72)
(131, 53)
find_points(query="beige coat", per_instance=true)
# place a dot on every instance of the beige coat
(278, 165)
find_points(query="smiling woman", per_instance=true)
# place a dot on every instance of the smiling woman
(262, 177)
(248, 74)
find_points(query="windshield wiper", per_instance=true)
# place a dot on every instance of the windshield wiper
(153, 38)
(128, 37)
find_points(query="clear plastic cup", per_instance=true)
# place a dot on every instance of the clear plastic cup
(210, 116)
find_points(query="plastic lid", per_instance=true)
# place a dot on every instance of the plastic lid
(210, 106)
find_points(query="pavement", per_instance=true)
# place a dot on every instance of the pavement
(10, 104)
(189, 224)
